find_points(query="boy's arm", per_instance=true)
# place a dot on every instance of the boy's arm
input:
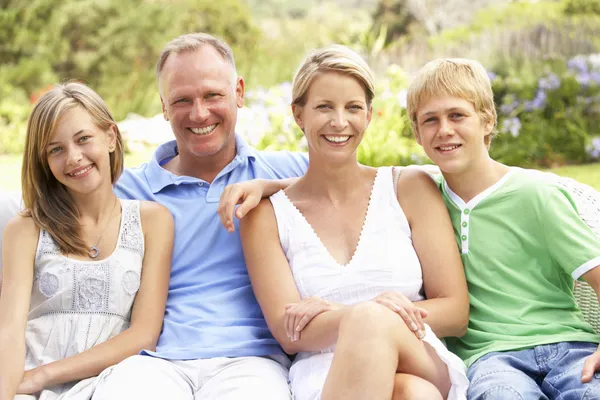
(592, 364)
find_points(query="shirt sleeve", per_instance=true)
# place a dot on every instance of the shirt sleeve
(571, 242)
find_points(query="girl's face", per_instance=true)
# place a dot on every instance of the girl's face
(335, 116)
(79, 152)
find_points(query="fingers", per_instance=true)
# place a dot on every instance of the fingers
(411, 315)
(230, 197)
(298, 315)
(420, 322)
(249, 202)
(589, 367)
(312, 312)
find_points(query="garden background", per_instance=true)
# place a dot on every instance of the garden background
(543, 57)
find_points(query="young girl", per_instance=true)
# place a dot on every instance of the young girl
(85, 274)
(348, 260)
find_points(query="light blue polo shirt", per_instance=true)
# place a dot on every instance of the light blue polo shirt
(211, 309)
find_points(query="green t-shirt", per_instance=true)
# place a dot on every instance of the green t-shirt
(522, 243)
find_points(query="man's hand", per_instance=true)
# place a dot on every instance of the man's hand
(411, 314)
(591, 365)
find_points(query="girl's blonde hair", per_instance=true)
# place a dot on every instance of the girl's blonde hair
(46, 200)
(335, 58)
(455, 77)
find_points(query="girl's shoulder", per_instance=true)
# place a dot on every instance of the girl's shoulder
(154, 216)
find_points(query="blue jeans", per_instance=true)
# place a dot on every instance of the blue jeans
(550, 371)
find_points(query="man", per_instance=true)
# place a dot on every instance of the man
(215, 343)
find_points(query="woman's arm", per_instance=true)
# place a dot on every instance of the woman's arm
(274, 285)
(18, 256)
(148, 309)
(444, 281)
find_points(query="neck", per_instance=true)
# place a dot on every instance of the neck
(96, 206)
(476, 178)
(202, 167)
(332, 181)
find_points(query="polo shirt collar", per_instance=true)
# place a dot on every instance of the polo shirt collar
(158, 178)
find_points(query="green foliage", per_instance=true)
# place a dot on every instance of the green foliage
(551, 117)
(112, 45)
(582, 7)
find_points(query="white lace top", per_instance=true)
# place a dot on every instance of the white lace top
(75, 304)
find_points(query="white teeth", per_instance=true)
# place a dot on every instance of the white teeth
(337, 139)
(83, 171)
(205, 130)
(448, 148)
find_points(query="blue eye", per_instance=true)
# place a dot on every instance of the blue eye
(84, 139)
(54, 150)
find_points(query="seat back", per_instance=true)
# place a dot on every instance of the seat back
(587, 200)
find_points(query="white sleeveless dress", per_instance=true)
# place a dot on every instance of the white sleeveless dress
(384, 260)
(76, 305)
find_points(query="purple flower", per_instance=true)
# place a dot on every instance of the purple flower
(491, 75)
(538, 102)
(584, 79)
(595, 77)
(578, 64)
(510, 105)
(512, 126)
(593, 149)
(550, 82)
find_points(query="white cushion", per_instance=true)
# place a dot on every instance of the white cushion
(10, 205)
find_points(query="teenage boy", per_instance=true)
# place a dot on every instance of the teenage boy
(522, 243)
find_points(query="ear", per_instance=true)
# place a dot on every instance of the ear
(369, 115)
(111, 136)
(164, 109)
(297, 111)
(239, 92)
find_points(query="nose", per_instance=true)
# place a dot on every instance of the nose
(338, 120)
(199, 112)
(74, 155)
(446, 128)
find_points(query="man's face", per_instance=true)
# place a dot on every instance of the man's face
(200, 94)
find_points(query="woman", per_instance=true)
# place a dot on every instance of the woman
(85, 274)
(342, 260)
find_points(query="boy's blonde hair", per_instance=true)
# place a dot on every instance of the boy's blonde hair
(47, 200)
(456, 77)
(335, 58)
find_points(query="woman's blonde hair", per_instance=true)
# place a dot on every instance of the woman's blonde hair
(335, 58)
(46, 200)
(456, 77)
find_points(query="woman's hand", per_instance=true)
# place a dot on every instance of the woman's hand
(298, 315)
(411, 314)
(248, 194)
(33, 381)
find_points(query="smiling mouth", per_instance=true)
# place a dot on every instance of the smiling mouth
(203, 131)
(337, 139)
(449, 147)
(80, 172)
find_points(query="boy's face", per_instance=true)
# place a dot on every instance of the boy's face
(452, 133)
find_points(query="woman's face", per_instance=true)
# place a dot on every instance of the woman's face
(335, 115)
(79, 152)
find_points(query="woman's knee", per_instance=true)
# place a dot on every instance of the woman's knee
(371, 320)
(411, 387)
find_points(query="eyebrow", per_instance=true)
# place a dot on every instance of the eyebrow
(76, 133)
(445, 110)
